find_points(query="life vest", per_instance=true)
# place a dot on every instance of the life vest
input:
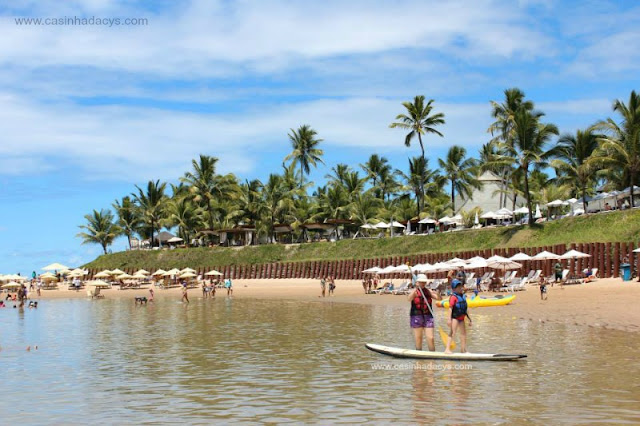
(419, 304)
(460, 307)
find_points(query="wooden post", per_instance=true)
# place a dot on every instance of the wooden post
(616, 260)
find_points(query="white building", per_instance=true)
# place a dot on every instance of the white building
(488, 197)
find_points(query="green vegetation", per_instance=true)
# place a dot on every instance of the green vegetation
(620, 226)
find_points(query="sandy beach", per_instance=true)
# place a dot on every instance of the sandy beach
(606, 303)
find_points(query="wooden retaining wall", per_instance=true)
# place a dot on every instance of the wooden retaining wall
(607, 257)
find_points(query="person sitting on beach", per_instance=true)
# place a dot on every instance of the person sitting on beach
(587, 273)
(458, 312)
(420, 315)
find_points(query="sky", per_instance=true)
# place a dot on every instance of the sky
(89, 111)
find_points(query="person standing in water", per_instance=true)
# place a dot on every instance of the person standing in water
(323, 287)
(185, 296)
(458, 311)
(150, 294)
(420, 315)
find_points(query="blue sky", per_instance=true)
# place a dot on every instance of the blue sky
(87, 112)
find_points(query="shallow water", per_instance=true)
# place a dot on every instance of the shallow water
(242, 360)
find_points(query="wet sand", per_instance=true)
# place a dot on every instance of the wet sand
(606, 303)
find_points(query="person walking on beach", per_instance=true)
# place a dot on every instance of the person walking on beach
(204, 290)
(185, 296)
(543, 287)
(557, 268)
(332, 285)
(420, 316)
(458, 312)
(229, 286)
(323, 286)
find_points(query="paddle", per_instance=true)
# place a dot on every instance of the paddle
(444, 336)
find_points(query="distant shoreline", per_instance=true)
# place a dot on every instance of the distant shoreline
(598, 304)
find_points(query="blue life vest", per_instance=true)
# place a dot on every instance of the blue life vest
(460, 307)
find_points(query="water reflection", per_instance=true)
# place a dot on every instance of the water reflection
(288, 361)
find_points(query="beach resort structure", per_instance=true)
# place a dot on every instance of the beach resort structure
(488, 196)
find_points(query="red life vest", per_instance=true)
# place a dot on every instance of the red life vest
(419, 304)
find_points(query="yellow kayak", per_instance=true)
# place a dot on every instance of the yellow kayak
(481, 302)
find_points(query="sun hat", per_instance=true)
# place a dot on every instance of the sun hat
(455, 283)
(422, 278)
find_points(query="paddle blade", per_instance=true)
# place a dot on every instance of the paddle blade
(444, 336)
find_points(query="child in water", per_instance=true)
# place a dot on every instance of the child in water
(458, 311)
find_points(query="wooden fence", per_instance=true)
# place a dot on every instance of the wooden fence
(607, 257)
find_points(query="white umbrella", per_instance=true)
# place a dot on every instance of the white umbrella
(556, 203)
(159, 272)
(538, 214)
(456, 263)
(420, 267)
(173, 271)
(388, 270)
(396, 224)
(382, 225)
(520, 256)
(189, 270)
(124, 276)
(476, 259)
(117, 272)
(11, 284)
(97, 283)
(504, 212)
(175, 240)
(476, 221)
(457, 218)
(427, 220)
(372, 270)
(574, 254)
(79, 271)
(402, 269)
(504, 264)
(367, 226)
(488, 215)
(572, 200)
(476, 264)
(54, 266)
(48, 275)
(213, 272)
(187, 275)
(142, 271)
(521, 210)
(440, 267)
(445, 219)
(497, 258)
(545, 255)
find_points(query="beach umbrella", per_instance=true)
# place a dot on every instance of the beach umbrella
(556, 203)
(367, 226)
(538, 214)
(103, 274)
(382, 225)
(504, 264)
(456, 263)
(402, 269)
(117, 272)
(574, 254)
(504, 213)
(520, 256)
(488, 215)
(476, 259)
(372, 270)
(175, 240)
(426, 220)
(545, 255)
(55, 267)
(420, 267)
(173, 271)
(142, 271)
(139, 276)
(476, 264)
(445, 219)
(48, 275)
(396, 224)
(189, 270)
(497, 258)
(79, 271)
(457, 218)
(213, 272)
(521, 210)
(476, 221)
(159, 272)
(124, 276)
(11, 284)
(187, 275)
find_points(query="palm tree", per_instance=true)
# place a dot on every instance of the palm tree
(181, 212)
(128, 217)
(459, 171)
(364, 207)
(339, 175)
(205, 184)
(305, 149)
(100, 229)
(151, 204)
(418, 120)
(573, 164)
(620, 144)
(421, 181)
(375, 168)
(249, 205)
(528, 145)
(277, 203)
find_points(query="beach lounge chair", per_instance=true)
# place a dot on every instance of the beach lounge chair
(565, 274)
(402, 289)
(531, 274)
(536, 277)
(594, 272)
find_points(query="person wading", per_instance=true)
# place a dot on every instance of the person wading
(420, 316)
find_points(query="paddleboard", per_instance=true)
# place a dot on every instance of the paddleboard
(480, 302)
(412, 353)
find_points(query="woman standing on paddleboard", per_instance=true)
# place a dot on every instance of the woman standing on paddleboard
(421, 317)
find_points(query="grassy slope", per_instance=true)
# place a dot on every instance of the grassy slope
(610, 227)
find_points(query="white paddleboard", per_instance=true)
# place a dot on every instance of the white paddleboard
(412, 353)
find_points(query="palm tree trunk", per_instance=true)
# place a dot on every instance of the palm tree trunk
(631, 178)
(129, 239)
(584, 196)
(104, 248)
(453, 195)
(528, 195)
(421, 146)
